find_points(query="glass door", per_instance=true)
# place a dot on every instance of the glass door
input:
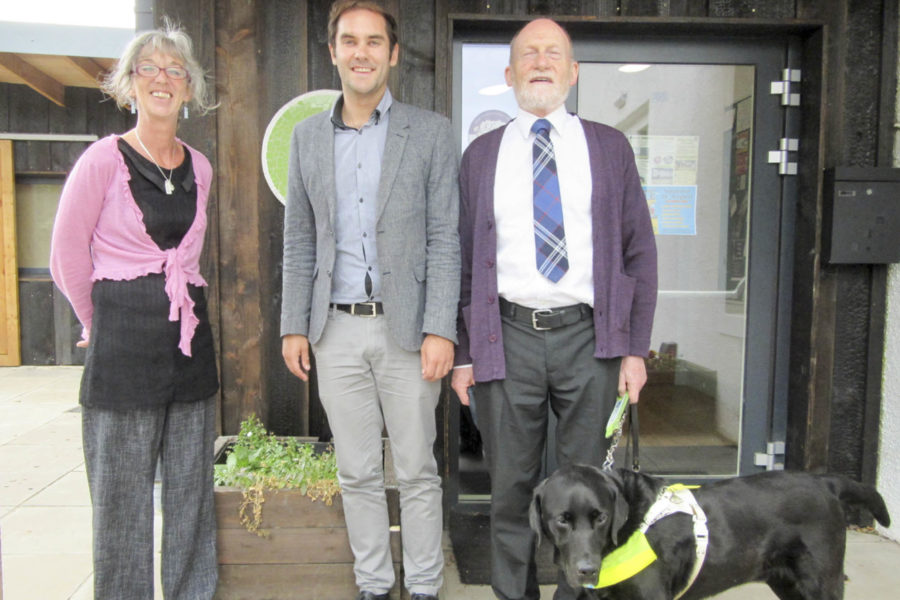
(701, 120)
(691, 128)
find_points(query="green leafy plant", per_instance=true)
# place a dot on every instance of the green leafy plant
(258, 461)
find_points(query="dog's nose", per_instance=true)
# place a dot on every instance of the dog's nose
(588, 572)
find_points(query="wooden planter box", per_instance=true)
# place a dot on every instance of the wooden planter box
(305, 556)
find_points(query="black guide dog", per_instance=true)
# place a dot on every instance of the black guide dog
(787, 529)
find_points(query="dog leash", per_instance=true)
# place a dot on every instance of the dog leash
(614, 428)
(636, 554)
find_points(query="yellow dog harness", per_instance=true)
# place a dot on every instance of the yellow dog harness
(635, 555)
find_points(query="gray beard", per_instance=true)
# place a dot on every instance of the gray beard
(546, 103)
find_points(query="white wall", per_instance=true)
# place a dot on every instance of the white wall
(889, 456)
(889, 436)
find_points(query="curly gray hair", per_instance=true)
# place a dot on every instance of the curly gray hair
(170, 39)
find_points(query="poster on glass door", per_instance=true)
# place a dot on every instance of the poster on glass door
(667, 165)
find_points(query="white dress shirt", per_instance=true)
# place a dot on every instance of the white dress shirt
(518, 279)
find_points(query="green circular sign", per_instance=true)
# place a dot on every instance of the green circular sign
(276, 145)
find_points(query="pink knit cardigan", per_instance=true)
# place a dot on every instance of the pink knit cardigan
(99, 233)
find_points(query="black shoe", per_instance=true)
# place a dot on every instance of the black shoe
(370, 596)
(423, 597)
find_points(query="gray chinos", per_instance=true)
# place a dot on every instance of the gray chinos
(366, 383)
(121, 449)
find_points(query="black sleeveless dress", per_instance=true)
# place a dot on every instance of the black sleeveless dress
(133, 359)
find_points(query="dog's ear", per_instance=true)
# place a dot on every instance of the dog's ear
(619, 516)
(621, 507)
(535, 517)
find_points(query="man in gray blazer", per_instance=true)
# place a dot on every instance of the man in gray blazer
(371, 283)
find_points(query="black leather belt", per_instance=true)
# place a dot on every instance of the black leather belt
(362, 309)
(544, 319)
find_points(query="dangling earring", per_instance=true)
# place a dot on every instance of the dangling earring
(185, 111)
(133, 108)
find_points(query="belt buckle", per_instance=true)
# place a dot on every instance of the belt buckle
(546, 312)
(374, 312)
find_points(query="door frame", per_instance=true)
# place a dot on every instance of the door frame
(9, 287)
(759, 403)
(806, 38)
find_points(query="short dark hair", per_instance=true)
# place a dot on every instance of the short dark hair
(342, 6)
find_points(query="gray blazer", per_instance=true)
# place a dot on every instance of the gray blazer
(416, 227)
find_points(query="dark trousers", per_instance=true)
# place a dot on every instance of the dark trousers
(545, 370)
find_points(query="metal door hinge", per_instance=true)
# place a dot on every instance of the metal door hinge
(784, 87)
(781, 157)
(772, 459)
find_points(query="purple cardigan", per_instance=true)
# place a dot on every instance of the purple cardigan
(624, 253)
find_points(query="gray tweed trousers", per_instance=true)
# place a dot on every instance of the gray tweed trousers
(121, 451)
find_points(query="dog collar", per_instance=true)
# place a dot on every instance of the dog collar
(635, 555)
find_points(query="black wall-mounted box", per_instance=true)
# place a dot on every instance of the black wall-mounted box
(861, 220)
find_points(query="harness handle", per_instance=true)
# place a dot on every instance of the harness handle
(615, 425)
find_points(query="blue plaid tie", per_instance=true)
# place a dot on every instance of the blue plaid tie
(549, 235)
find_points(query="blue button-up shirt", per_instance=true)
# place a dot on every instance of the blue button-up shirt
(357, 166)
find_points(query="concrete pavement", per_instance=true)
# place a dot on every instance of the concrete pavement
(45, 517)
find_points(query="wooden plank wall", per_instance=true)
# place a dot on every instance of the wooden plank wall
(257, 70)
(22, 110)
(836, 336)
(268, 52)
(256, 54)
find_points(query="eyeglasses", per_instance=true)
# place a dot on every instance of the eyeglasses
(151, 70)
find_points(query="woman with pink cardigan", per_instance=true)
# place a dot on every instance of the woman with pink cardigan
(125, 251)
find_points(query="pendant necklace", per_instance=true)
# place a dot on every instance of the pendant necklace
(168, 185)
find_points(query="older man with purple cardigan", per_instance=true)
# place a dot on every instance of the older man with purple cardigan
(559, 279)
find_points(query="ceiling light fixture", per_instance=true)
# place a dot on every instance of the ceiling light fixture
(633, 68)
(494, 90)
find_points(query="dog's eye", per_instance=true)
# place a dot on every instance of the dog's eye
(598, 517)
(564, 518)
